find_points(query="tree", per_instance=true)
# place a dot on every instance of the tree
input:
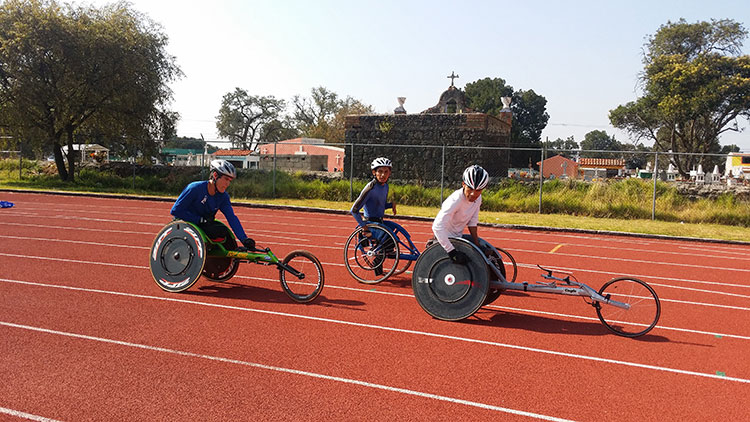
(598, 140)
(695, 85)
(529, 114)
(66, 70)
(323, 114)
(247, 119)
(564, 147)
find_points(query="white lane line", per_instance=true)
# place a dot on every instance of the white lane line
(23, 415)
(394, 329)
(288, 371)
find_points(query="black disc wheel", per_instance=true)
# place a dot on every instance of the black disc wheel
(643, 306)
(222, 269)
(177, 256)
(446, 290)
(371, 258)
(304, 280)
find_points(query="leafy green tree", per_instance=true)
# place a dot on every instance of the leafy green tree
(323, 114)
(247, 119)
(529, 114)
(565, 147)
(598, 140)
(66, 70)
(696, 84)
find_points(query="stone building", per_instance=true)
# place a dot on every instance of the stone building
(415, 142)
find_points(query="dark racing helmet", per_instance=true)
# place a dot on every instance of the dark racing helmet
(223, 167)
(476, 177)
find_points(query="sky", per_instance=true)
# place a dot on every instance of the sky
(584, 57)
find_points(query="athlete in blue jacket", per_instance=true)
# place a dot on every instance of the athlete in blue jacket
(200, 201)
(374, 200)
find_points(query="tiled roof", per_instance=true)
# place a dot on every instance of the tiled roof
(232, 152)
(618, 162)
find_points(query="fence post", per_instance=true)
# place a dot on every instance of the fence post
(541, 175)
(655, 175)
(273, 173)
(20, 160)
(351, 174)
(442, 175)
(133, 172)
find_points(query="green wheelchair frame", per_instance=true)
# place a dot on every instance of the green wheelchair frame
(182, 253)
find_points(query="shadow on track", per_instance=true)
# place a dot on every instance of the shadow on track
(229, 290)
(541, 324)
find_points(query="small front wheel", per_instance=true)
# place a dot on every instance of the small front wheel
(644, 311)
(307, 283)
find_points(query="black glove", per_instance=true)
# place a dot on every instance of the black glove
(458, 257)
(249, 244)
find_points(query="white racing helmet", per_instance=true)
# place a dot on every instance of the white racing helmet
(224, 167)
(380, 162)
(476, 177)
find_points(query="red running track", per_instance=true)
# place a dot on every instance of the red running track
(87, 334)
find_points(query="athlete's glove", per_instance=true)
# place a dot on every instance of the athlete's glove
(458, 257)
(249, 244)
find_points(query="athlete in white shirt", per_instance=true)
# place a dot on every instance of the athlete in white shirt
(459, 210)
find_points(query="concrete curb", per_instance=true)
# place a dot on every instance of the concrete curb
(398, 217)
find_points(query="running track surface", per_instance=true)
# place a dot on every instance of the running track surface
(86, 334)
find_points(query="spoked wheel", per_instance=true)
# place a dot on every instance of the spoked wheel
(177, 257)
(222, 269)
(644, 311)
(403, 265)
(307, 284)
(371, 259)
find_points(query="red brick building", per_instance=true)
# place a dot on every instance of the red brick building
(558, 166)
(307, 146)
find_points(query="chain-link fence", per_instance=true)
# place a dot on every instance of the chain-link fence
(522, 179)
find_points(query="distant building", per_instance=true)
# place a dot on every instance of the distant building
(89, 152)
(600, 168)
(241, 158)
(334, 161)
(738, 164)
(559, 167)
(184, 156)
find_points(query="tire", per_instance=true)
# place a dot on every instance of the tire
(306, 288)
(644, 311)
(403, 265)
(503, 260)
(177, 256)
(219, 269)
(363, 255)
(449, 291)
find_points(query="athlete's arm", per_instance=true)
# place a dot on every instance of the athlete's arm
(234, 222)
(360, 202)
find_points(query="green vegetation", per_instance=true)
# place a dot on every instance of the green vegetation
(617, 206)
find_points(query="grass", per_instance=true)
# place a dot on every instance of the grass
(623, 206)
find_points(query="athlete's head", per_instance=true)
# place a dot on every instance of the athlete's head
(222, 173)
(475, 179)
(381, 169)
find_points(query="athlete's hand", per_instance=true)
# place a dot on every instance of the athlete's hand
(249, 244)
(458, 257)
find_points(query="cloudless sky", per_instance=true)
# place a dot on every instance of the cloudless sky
(584, 57)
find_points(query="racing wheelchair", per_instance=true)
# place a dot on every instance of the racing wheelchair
(389, 251)
(448, 291)
(182, 252)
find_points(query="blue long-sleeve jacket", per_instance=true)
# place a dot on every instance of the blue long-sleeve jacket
(373, 199)
(195, 203)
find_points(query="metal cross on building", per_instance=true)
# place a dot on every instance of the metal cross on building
(452, 77)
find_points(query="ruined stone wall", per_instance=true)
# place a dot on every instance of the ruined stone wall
(294, 162)
(414, 143)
